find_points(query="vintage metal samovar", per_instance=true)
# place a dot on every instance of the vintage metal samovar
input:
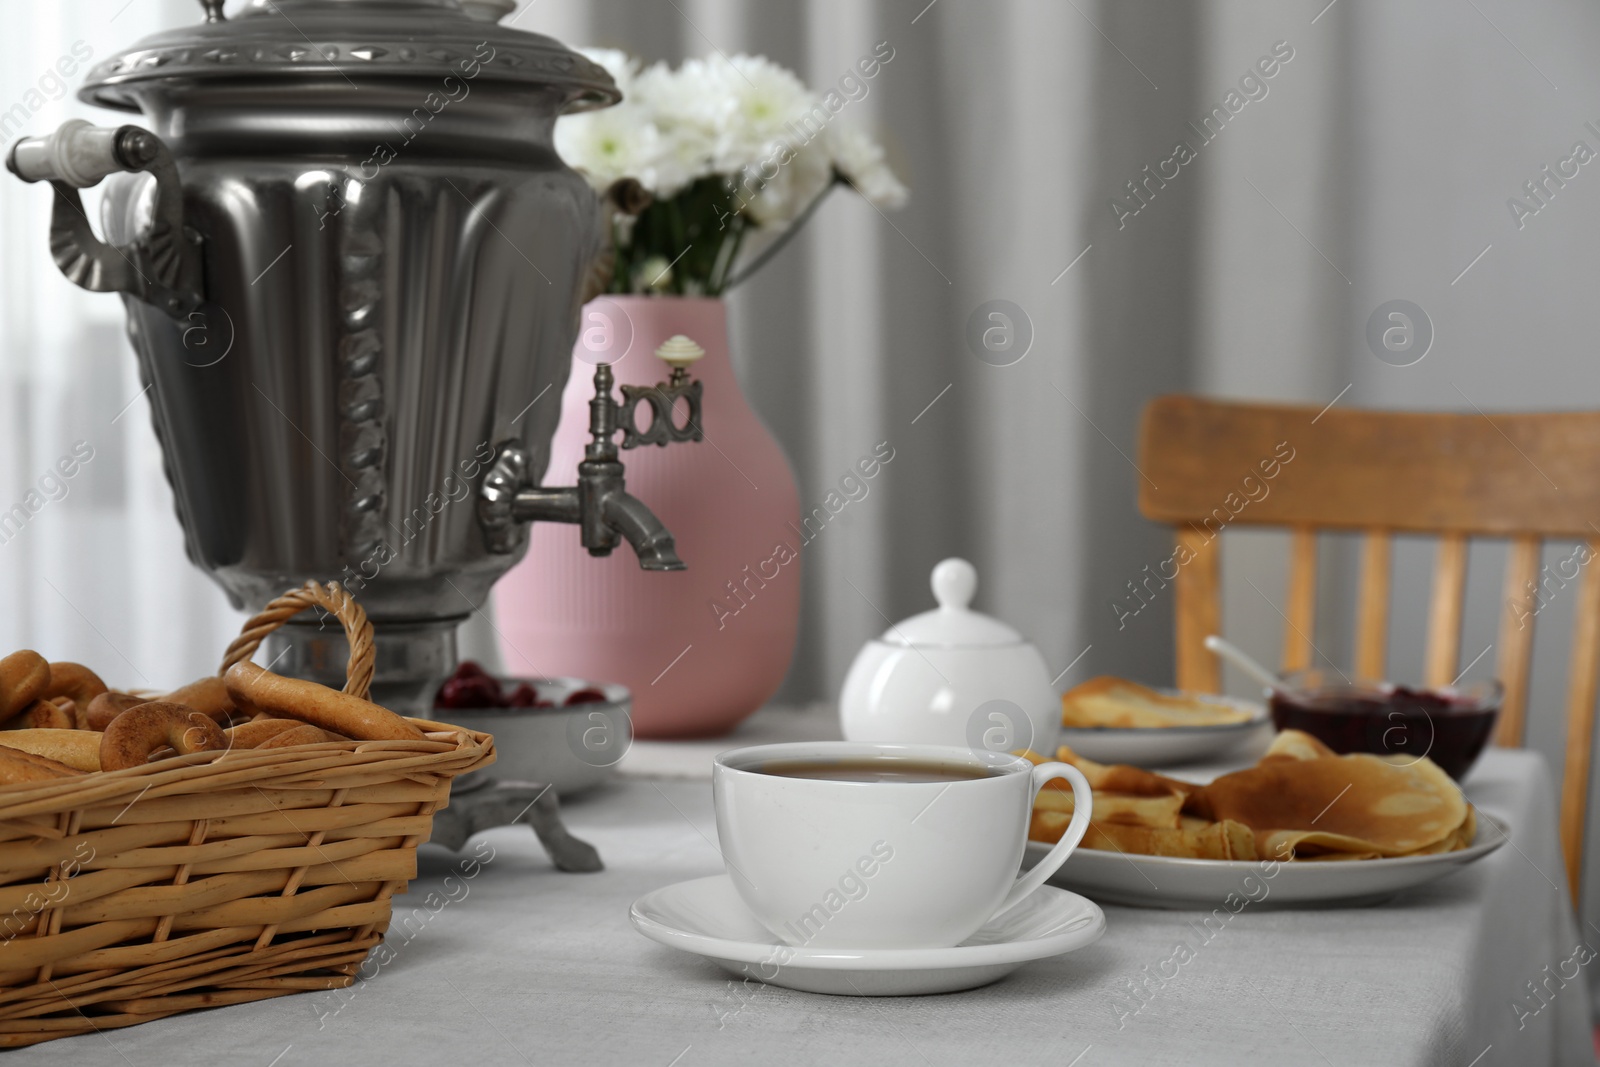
(352, 264)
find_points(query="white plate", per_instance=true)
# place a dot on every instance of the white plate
(1155, 746)
(706, 917)
(1171, 882)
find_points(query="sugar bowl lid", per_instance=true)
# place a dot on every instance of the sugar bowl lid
(952, 624)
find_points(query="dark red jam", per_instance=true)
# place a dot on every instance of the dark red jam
(1449, 728)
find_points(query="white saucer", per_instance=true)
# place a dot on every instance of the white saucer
(706, 917)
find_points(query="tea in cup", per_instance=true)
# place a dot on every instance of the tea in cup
(845, 845)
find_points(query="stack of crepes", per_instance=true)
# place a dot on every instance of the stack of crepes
(1120, 704)
(1300, 802)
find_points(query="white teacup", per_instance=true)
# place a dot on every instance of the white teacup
(833, 863)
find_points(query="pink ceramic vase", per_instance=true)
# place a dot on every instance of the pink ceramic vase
(702, 648)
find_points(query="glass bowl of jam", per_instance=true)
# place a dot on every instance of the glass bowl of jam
(1450, 724)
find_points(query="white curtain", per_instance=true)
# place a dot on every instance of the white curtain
(97, 572)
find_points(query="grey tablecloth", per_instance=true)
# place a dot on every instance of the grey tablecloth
(516, 963)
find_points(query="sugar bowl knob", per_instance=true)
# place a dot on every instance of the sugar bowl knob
(954, 581)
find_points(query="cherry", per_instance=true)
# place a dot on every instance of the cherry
(524, 696)
(470, 691)
(584, 696)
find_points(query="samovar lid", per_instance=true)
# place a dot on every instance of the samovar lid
(292, 39)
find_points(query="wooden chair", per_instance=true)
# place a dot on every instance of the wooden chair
(1518, 477)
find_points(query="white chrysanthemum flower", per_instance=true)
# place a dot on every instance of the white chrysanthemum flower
(767, 104)
(620, 141)
(622, 67)
(615, 142)
(692, 95)
(861, 160)
(687, 113)
(745, 121)
(653, 275)
(777, 191)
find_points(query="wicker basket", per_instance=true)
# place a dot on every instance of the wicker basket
(201, 880)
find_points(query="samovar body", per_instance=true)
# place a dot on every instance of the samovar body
(352, 264)
(367, 343)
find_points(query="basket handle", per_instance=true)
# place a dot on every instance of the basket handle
(332, 597)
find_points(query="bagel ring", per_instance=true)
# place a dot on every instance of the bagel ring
(304, 734)
(24, 676)
(258, 732)
(107, 706)
(46, 715)
(207, 695)
(256, 689)
(74, 680)
(132, 736)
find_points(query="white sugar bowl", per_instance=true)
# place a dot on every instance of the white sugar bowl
(952, 676)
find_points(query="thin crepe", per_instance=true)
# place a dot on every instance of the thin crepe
(1343, 804)
(1116, 702)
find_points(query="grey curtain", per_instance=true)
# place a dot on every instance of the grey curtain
(1018, 125)
(1376, 163)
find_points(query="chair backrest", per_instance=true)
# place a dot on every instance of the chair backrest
(1207, 465)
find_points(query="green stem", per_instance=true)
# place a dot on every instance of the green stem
(621, 260)
(726, 255)
(784, 238)
(679, 238)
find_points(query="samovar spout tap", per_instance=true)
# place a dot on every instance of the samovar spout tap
(625, 514)
(600, 505)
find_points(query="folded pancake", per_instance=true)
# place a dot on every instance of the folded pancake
(1116, 777)
(1349, 804)
(1116, 702)
(1298, 745)
(1199, 840)
(1154, 812)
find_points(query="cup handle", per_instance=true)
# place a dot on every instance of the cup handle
(1082, 808)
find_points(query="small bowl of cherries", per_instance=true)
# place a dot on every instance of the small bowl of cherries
(568, 733)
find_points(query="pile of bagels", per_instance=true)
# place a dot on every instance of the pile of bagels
(59, 720)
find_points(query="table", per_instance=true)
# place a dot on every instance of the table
(515, 963)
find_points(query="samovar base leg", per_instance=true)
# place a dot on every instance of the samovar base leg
(487, 802)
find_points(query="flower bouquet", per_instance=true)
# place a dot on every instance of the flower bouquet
(701, 165)
(696, 158)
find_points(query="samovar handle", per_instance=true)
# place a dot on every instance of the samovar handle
(162, 267)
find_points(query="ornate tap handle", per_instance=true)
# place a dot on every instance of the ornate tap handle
(162, 268)
(679, 353)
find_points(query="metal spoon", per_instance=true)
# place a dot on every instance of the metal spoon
(1236, 656)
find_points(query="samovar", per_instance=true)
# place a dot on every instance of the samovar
(352, 263)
